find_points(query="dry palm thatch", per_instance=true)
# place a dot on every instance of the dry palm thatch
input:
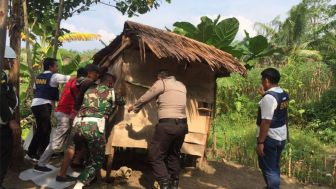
(164, 44)
(76, 36)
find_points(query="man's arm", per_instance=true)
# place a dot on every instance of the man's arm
(80, 97)
(267, 105)
(60, 78)
(153, 92)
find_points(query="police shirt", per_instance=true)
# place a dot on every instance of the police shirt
(171, 98)
(55, 80)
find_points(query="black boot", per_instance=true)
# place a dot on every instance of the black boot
(174, 183)
(164, 184)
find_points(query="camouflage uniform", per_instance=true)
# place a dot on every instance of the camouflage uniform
(99, 102)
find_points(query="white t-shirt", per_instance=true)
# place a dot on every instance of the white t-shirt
(55, 80)
(268, 104)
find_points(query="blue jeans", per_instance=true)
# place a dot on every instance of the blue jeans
(270, 162)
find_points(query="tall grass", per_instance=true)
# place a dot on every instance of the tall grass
(307, 157)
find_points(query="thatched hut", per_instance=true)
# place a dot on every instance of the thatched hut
(137, 54)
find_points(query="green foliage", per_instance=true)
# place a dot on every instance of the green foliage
(213, 32)
(322, 116)
(305, 157)
(221, 34)
(132, 7)
(305, 82)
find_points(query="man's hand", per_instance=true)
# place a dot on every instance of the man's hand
(130, 108)
(261, 91)
(260, 149)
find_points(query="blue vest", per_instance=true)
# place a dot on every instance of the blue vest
(280, 113)
(43, 88)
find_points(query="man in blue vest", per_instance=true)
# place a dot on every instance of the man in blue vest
(271, 127)
(45, 94)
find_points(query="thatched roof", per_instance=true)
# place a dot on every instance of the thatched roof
(164, 44)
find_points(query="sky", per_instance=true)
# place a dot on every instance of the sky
(108, 22)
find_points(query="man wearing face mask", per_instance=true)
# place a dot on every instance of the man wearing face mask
(98, 104)
(10, 131)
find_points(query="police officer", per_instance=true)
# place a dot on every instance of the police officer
(10, 131)
(62, 114)
(271, 127)
(99, 103)
(169, 133)
(45, 94)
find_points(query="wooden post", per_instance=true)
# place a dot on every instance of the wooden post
(334, 175)
(58, 25)
(15, 28)
(3, 33)
(15, 42)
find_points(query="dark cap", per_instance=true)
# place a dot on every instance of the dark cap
(92, 68)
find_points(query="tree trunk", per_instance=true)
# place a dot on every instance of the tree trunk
(3, 32)
(58, 25)
(15, 42)
(28, 53)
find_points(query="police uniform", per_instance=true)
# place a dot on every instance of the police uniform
(170, 131)
(273, 106)
(46, 93)
(9, 102)
(99, 102)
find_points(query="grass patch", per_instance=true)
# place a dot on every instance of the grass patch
(305, 156)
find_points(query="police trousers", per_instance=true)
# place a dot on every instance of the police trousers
(164, 150)
(40, 140)
(270, 162)
(6, 147)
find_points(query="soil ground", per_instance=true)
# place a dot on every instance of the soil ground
(211, 175)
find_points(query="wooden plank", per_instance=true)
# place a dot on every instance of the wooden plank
(196, 138)
(193, 149)
(135, 136)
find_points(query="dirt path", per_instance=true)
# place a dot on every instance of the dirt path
(216, 175)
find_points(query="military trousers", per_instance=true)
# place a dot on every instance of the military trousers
(164, 150)
(96, 146)
(6, 148)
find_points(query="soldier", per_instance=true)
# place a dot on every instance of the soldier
(10, 131)
(272, 130)
(62, 114)
(98, 104)
(45, 94)
(92, 76)
(169, 133)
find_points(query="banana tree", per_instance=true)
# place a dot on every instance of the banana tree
(222, 34)
(213, 32)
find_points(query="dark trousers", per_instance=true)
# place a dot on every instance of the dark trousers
(41, 136)
(165, 147)
(270, 162)
(6, 147)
